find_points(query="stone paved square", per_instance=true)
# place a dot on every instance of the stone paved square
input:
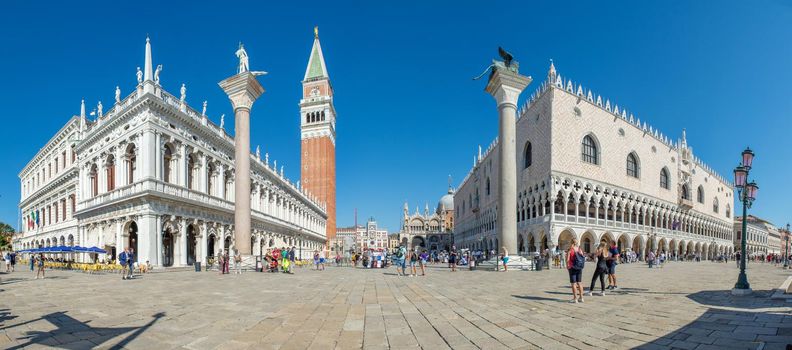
(683, 305)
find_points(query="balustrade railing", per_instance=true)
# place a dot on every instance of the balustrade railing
(157, 186)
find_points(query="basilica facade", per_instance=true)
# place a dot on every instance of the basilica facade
(430, 230)
(590, 170)
(154, 174)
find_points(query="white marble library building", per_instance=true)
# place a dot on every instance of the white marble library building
(154, 174)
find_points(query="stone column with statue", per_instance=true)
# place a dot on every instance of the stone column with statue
(505, 84)
(242, 89)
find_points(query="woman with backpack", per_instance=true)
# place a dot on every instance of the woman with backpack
(602, 268)
(575, 264)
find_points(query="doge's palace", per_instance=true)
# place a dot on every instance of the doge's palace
(152, 173)
(590, 170)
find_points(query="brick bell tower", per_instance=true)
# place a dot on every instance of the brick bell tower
(317, 126)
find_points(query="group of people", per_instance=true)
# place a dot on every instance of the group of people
(127, 261)
(10, 260)
(418, 258)
(606, 258)
(224, 262)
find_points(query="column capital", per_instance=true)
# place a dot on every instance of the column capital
(242, 89)
(506, 85)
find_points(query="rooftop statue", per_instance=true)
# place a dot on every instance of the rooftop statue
(243, 59)
(157, 74)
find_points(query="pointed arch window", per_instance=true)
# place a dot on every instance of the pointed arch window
(700, 194)
(632, 166)
(664, 178)
(488, 186)
(590, 152)
(728, 211)
(715, 207)
(685, 192)
(528, 155)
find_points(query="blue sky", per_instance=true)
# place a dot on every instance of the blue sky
(408, 113)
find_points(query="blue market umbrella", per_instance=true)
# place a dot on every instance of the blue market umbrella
(97, 250)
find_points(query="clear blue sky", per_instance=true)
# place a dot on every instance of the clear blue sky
(408, 113)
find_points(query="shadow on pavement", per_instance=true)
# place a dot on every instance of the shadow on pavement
(531, 297)
(758, 299)
(729, 329)
(71, 328)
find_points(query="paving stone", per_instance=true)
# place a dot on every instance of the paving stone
(345, 308)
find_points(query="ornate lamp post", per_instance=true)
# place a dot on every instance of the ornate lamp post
(747, 192)
(786, 248)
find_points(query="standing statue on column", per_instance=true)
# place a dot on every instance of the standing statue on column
(243, 59)
(183, 92)
(157, 74)
(139, 75)
(203, 111)
(222, 120)
(99, 109)
(258, 152)
(118, 94)
(266, 158)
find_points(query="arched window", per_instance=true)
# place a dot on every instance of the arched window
(323, 116)
(94, 176)
(700, 194)
(191, 169)
(632, 165)
(590, 152)
(131, 160)
(167, 159)
(528, 155)
(488, 186)
(307, 117)
(728, 211)
(715, 205)
(110, 173)
(685, 192)
(664, 178)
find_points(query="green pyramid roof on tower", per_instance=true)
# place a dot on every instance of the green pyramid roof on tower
(316, 64)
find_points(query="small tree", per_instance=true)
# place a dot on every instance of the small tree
(5, 235)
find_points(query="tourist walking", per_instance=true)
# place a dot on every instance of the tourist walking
(575, 264)
(237, 262)
(651, 258)
(505, 259)
(316, 259)
(40, 266)
(122, 259)
(612, 261)
(602, 268)
(401, 268)
(220, 262)
(291, 259)
(413, 256)
(423, 258)
(130, 263)
(7, 258)
(226, 262)
(32, 263)
(13, 260)
(452, 259)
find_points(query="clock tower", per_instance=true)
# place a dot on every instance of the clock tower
(318, 133)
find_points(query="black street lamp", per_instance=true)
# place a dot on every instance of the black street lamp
(786, 248)
(747, 192)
